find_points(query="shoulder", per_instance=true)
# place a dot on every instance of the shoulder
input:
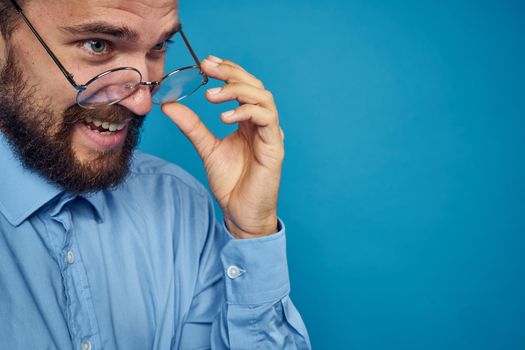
(162, 195)
(149, 170)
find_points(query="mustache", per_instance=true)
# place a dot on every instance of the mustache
(111, 114)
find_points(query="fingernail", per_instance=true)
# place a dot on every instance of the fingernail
(214, 91)
(215, 59)
(211, 63)
(228, 114)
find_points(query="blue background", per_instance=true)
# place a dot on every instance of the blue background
(404, 179)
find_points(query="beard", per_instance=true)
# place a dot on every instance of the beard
(42, 139)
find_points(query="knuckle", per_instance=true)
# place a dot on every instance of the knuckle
(235, 65)
(234, 85)
(229, 62)
(230, 89)
(268, 96)
(195, 127)
(246, 108)
(226, 68)
(279, 154)
(259, 83)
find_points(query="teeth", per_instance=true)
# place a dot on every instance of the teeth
(111, 127)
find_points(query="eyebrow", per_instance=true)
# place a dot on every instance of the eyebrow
(109, 29)
(167, 35)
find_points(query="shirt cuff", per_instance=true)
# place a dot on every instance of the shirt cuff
(256, 269)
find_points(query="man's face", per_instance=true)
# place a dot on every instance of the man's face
(38, 111)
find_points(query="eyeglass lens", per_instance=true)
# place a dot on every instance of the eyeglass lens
(116, 85)
(178, 85)
(109, 88)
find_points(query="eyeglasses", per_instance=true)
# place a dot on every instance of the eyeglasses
(115, 85)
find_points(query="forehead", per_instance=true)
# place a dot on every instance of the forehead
(143, 16)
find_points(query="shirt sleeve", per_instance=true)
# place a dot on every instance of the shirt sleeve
(241, 299)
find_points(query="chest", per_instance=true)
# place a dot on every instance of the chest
(76, 280)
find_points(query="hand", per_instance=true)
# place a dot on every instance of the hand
(244, 169)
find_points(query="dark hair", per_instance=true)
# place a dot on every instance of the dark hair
(8, 17)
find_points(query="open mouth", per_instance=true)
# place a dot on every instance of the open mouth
(102, 135)
(103, 127)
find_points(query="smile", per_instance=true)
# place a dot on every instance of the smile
(104, 127)
(101, 135)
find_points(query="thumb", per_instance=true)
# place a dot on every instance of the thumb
(192, 127)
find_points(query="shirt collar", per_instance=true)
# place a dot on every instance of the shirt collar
(23, 191)
(98, 201)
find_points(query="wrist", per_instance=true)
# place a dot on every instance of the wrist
(253, 230)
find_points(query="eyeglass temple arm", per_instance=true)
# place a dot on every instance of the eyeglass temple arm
(64, 71)
(189, 48)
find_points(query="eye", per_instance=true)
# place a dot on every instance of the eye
(162, 46)
(96, 47)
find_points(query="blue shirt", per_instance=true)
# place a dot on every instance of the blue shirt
(144, 266)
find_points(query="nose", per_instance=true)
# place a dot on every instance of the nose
(140, 102)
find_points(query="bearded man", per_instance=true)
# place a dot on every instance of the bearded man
(104, 247)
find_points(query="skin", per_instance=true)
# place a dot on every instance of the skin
(243, 169)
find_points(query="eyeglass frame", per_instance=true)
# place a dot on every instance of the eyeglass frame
(80, 88)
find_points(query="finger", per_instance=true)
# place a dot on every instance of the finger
(228, 62)
(229, 73)
(257, 115)
(192, 127)
(261, 117)
(243, 93)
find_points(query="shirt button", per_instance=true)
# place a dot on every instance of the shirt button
(70, 257)
(86, 345)
(233, 272)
